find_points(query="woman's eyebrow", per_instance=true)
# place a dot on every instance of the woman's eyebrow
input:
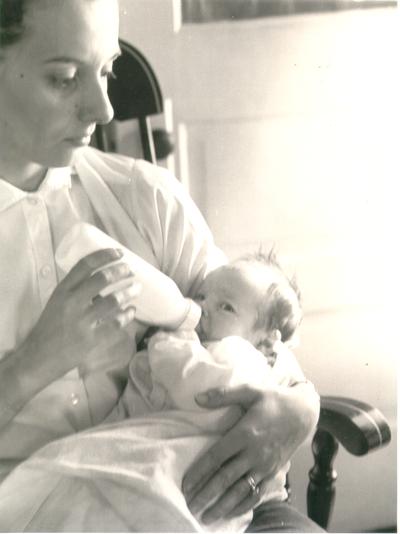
(71, 59)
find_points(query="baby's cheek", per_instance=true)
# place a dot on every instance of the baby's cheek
(231, 327)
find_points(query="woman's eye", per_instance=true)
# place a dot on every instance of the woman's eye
(227, 307)
(199, 298)
(63, 82)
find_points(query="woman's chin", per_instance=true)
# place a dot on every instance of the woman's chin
(65, 157)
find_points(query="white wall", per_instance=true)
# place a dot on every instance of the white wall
(290, 131)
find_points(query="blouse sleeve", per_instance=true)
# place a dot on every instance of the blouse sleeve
(168, 218)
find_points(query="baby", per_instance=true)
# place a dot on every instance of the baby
(250, 313)
(252, 298)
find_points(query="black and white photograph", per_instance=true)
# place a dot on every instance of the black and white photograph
(198, 278)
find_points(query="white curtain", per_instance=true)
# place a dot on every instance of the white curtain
(214, 10)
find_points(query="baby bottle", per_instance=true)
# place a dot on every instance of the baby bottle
(159, 302)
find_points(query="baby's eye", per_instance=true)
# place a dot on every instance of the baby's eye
(225, 306)
(199, 298)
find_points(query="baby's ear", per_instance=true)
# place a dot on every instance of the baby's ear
(268, 344)
(275, 335)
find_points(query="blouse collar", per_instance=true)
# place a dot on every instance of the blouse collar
(55, 178)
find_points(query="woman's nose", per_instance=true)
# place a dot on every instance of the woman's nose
(95, 104)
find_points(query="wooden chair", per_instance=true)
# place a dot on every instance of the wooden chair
(357, 426)
(135, 94)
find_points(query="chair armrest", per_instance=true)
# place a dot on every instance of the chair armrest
(357, 426)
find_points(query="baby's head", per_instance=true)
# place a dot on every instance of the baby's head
(252, 298)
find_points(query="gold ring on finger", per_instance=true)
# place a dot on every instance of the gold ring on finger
(254, 488)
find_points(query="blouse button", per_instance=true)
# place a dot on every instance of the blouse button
(45, 271)
(32, 200)
(74, 399)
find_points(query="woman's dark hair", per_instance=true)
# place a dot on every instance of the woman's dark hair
(11, 21)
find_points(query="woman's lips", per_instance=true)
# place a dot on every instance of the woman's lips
(79, 141)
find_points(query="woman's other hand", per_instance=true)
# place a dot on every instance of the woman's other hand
(230, 478)
(76, 319)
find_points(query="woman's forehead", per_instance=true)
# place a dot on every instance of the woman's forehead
(81, 29)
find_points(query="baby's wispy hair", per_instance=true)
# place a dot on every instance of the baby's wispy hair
(280, 307)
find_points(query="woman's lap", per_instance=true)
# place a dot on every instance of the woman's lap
(281, 517)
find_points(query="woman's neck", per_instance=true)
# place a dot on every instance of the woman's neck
(27, 177)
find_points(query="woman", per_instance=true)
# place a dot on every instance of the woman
(63, 349)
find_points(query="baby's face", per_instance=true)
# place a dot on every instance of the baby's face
(229, 298)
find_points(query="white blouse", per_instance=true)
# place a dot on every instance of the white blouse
(139, 204)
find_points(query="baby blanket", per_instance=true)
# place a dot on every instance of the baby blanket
(127, 475)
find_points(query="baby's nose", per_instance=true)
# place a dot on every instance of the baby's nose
(204, 311)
